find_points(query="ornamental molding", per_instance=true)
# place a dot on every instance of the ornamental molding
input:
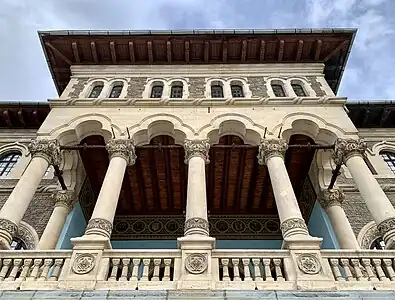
(332, 197)
(270, 148)
(344, 148)
(8, 226)
(122, 148)
(292, 223)
(27, 234)
(309, 263)
(199, 223)
(101, 224)
(368, 234)
(196, 263)
(64, 198)
(386, 226)
(83, 263)
(47, 149)
(199, 148)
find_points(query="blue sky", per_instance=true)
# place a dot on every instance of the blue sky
(24, 74)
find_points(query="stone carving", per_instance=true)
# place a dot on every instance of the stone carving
(197, 87)
(196, 263)
(48, 149)
(78, 87)
(84, 263)
(368, 234)
(63, 198)
(316, 86)
(269, 148)
(332, 197)
(122, 148)
(309, 263)
(292, 223)
(101, 224)
(197, 148)
(386, 226)
(8, 226)
(257, 86)
(196, 223)
(136, 87)
(28, 235)
(346, 147)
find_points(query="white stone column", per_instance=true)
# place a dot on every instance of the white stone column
(63, 205)
(43, 152)
(271, 153)
(349, 152)
(331, 201)
(122, 153)
(196, 156)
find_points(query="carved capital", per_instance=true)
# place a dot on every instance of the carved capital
(386, 226)
(122, 148)
(8, 226)
(344, 148)
(293, 223)
(198, 148)
(196, 223)
(332, 197)
(47, 149)
(99, 226)
(64, 198)
(269, 148)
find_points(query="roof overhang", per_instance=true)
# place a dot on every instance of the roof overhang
(66, 48)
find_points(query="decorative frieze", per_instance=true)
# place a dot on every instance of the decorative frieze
(332, 197)
(196, 223)
(8, 226)
(101, 224)
(292, 223)
(269, 148)
(198, 148)
(64, 198)
(344, 148)
(78, 87)
(386, 226)
(122, 148)
(48, 149)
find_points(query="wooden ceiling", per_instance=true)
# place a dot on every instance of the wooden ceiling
(236, 183)
(14, 115)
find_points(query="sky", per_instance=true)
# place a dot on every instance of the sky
(24, 74)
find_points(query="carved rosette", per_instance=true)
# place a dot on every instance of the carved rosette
(291, 224)
(8, 226)
(269, 148)
(332, 197)
(344, 148)
(196, 223)
(122, 148)
(309, 263)
(99, 226)
(48, 149)
(196, 263)
(386, 226)
(83, 264)
(198, 148)
(64, 198)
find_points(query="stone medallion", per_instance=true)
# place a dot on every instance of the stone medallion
(196, 263)
(84, 263)
(309, 264)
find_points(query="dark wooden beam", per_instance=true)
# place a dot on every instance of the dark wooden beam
(262, 51)
(169, 184)
(225, 179)
(187, 51)
(7, 119)
(224, 51)
(365, 121)
(240, 177)
(94, 53)
(168, 50)
(21, 118)
(386, 113)
(113, 53)
(336, 50)
(36, 117)
(299, 50)
(318, 48)
(252, 184)
(263, 205)
(74, 46)
(206, 51)
(281, 50)
(154, 179)
(60, 54)
(244, 51)
(150, 52)
(141, 185)
(131, 53)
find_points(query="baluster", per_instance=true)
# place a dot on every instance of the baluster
(146, 263)
(257, 270)
(25, 269)
(266, 268)
(44, 273)
(357, 269)
(277, 268)
(157, 262)
(334, 262)
(36, 267)
(368, 267)
(236, 273)
(135, 270)
(379, 269)
(346, 266)
(389, 269)
(225, 269)
(246, 264)
(5, 268)
(125, 269)
(166, 275)
(56, 269)
(114, 270)
(15, 269)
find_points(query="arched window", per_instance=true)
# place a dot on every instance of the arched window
(217, 91)
(157, 90)
(278, 90)
(18, 244)
(237, 91)
(176, 90)
(378, 244)
(389, 158)
(298, 89)
(7, 162)
(96, 91)
(116, 91)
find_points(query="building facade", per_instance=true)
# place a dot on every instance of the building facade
(204, 160)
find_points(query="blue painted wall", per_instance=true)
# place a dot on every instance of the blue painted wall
(320, 226)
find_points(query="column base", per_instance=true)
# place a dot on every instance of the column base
(196, 242)
(91, 242)
(389, 239)
(300, 242)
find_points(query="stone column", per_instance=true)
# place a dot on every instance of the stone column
(63, 205)
(196, 156)
(43, 152)
(349, 152)
(271, 153)
(122, 153)
(331, 201)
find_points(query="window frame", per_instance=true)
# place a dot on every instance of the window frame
(299, 86)
(389, 159)
(5, 168)
(272, 85)
(115, 86)
(179, 86)
(232, 86)
(153, 91)
(101, 86)
(221, 88)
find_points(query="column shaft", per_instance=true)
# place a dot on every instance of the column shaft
(342, 228)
